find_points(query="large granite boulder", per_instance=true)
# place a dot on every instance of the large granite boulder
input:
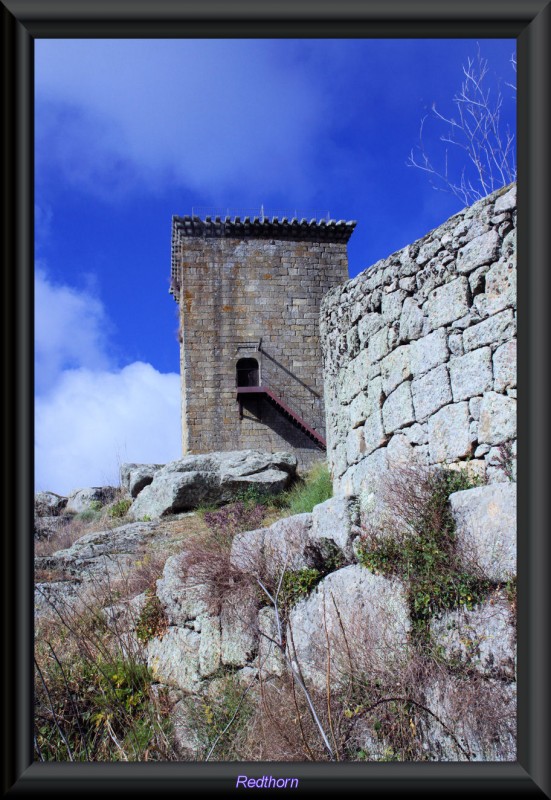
(212, 478)
(135, 477)
(355, 621)
(90, 498)
(486, 527)
(48, 504)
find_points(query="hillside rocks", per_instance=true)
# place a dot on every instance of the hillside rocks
(202, 479)
(485, 520)
(90, 498)
(483, 639)
(351, 608)
(48, 504)
(135, 477)
(93, 562)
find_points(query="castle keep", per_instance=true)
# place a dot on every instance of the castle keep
(249, 294)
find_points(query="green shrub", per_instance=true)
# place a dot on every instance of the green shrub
(220, 719)
(96, 710)
(119, 509)
(296, 585)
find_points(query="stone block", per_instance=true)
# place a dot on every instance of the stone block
(398, 409)
(373, 431)
(498, 419)
(411, 321)
(501, 287)
(368, 325)
(506, 202)
(391, 305)
(378, 345)
(395, 368)
(493, 330)
(431, 392)
(482, 250)
(449, 436)
(428, 352)
(471, 374)
(505, 366)
(486, 528)
(447, 303)
(355, 445)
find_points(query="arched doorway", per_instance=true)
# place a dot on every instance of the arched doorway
(247, 372)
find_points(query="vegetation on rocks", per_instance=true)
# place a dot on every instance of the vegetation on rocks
(420, 549)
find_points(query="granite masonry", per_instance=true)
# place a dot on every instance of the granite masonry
(420, 352)
(249, 294)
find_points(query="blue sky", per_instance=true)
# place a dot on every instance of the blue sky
(130, 132)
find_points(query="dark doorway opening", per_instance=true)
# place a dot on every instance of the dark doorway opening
(247, 372)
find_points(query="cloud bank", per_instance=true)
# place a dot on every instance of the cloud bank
(195, 113)
(90, 414)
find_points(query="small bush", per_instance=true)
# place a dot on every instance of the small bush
(220, 719)
(120, 508)
(296, 585)
(152, 621)
(235, 518)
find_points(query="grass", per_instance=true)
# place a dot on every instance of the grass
(307, 492)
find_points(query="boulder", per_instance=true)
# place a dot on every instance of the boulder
(47, 527)
(486, 529)
(48, 504)
(357, 620)
(483, 639)
(212, 478)
(88, 499)
(135, 477)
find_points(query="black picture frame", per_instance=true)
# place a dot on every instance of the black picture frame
(529, 22)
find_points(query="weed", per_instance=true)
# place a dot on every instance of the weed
(235, 518)
(152, 621)
(220, 718)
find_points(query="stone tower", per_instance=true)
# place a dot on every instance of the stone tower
(249, 294)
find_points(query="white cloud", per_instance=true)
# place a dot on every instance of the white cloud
(93, 421)
(214, 116)
(90, 415)
(71, 330)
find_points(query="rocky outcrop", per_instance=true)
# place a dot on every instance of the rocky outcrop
(212, 478)
(90, 499)
(135, 477)
(485, 519)
(48, 504)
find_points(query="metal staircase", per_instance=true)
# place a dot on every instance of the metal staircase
(284, 409)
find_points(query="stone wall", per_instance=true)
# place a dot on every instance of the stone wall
(240, 284)
(420, 351)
